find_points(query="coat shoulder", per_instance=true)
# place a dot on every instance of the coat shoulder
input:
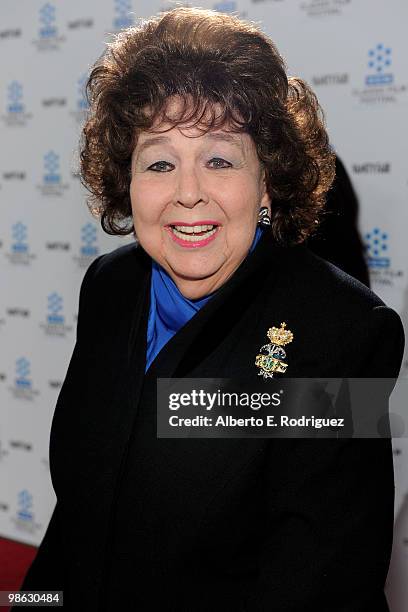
(122, 266)
(326, 285)
(339, 322)
(123, 258)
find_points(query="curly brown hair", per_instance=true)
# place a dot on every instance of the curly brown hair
(210, 58)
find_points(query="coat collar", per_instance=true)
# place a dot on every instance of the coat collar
(202, 334)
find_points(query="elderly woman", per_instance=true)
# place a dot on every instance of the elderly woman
(199, 144)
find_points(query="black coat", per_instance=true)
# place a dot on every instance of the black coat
(193, 525)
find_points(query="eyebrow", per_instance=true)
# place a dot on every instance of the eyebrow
(216, 136)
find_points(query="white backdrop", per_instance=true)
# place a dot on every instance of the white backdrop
(352, 52)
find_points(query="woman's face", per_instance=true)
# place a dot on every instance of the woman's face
(195, 203)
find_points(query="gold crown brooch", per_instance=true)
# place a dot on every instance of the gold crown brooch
(271, 356)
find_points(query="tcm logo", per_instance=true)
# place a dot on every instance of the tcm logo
(51, 169)
(19, 238)
(52, 184)
(88, 249)
(55, 320)
(376, 246)
(225, 6)
(379, 62)
(24, 517)
(19, 249)
(25, 504)
(23, 388)
(16, 112)
(122, 18)
(48, 28)
(15, 98)
(48, 36)
(55, 308)
(88, 239)
(82, 101)
(22, 372)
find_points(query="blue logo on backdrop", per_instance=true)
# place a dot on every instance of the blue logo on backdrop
(19, 233)
(88, 239)
(51, 167)
(82, 102)
(15, 96)
(55, 321)
(19, 248)
(48, 37)
(24, 517)
(122, 18)
(376, 246)
(80, 106)
(382, 85)
(22, 371)
(16, 114)
(25, 503)
(23, 388)
(379, 62)
(48, 28)
(226, 6)
(55, 306)
(52, 184)
(88, 249)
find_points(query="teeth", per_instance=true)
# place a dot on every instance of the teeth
(192, 238)
(188, 229)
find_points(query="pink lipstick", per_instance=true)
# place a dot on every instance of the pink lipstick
(193, 235)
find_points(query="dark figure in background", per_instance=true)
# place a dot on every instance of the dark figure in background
(338, 239)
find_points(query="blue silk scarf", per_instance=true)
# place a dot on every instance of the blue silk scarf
(169, 309)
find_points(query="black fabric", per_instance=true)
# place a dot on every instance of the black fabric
(198, 525)
(337, 238)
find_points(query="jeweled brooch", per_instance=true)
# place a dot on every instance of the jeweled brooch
(271, 356)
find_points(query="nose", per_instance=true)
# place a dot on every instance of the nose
(190, 188)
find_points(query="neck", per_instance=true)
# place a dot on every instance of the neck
(194, 289)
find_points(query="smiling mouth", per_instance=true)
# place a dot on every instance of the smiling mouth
(194, 233)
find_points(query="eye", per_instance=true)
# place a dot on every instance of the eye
(161, 164)
(219, 159)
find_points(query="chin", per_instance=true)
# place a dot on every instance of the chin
(194, 270)
(188, 274)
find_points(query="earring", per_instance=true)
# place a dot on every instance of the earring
(264, 219)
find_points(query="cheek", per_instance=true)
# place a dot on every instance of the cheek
(242, 214)
(146, 207)
(243, 200)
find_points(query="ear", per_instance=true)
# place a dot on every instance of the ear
(266, 199)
